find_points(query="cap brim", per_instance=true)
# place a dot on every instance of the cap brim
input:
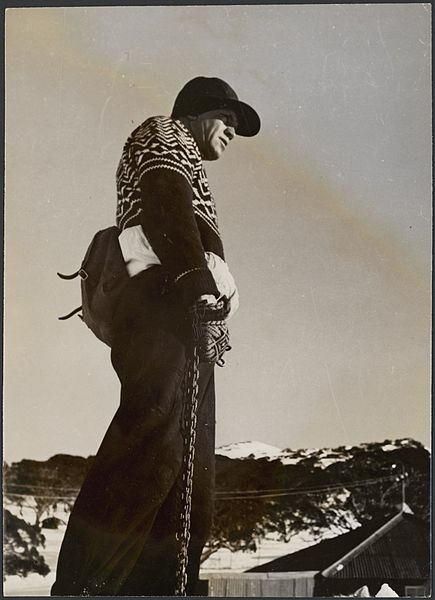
(248, 121)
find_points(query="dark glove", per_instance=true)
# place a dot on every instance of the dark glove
(209, 329)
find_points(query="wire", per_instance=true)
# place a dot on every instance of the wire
(293, 493)
(21, 505)
(43, 487)
(233, 494)
(297, 492)
(59, 498)
(341, 484)
(249, 494)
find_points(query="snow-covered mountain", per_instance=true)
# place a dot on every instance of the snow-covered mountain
(250, 450)
(255, 449)
(322, 458)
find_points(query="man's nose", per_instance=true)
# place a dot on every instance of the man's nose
(230, 132)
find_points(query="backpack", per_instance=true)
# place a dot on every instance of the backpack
(103, 279)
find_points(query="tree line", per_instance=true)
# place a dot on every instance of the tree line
(254, 497)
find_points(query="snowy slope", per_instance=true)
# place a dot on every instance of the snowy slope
(323, 457)
(255, 449)
(34, 584)
(249, 450)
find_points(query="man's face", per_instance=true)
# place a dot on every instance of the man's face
(213, 131)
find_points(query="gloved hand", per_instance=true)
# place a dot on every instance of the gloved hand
(209, 298)
(207, 310)
(209, 329)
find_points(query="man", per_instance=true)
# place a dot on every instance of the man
(122, 534)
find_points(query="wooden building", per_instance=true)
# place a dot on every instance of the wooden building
(257, 585)
(394, 551)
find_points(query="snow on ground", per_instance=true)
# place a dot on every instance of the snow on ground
(223, 560)
(267, 549)
(28, 513)
(34, 584)
(288, 460)
(389, 448)
(326, 462)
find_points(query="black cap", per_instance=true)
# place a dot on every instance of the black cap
(208, 93)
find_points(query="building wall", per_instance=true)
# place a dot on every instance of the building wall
(272, 585)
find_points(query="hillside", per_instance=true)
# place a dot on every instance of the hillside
(324, 456)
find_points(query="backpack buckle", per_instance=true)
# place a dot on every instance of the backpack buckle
(83, 274)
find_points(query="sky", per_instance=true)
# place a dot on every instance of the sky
(325, 215)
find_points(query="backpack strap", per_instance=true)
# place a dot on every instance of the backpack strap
(79, 308)
(71, 314)
(72, 276)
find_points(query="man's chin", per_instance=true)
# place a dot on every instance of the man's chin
(213, 154)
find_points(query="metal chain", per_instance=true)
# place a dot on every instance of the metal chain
(189, 419)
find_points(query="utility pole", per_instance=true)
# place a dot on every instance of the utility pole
(402, 478)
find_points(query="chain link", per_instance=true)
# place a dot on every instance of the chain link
(189, 420)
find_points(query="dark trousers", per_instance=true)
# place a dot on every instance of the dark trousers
(120, 538)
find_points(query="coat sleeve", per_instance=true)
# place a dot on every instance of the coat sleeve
(169, 223)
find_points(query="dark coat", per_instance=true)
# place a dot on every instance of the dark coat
(120, 539)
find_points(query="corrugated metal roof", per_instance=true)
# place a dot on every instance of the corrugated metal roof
(402, 552)
(321, 555)
(397, 548)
